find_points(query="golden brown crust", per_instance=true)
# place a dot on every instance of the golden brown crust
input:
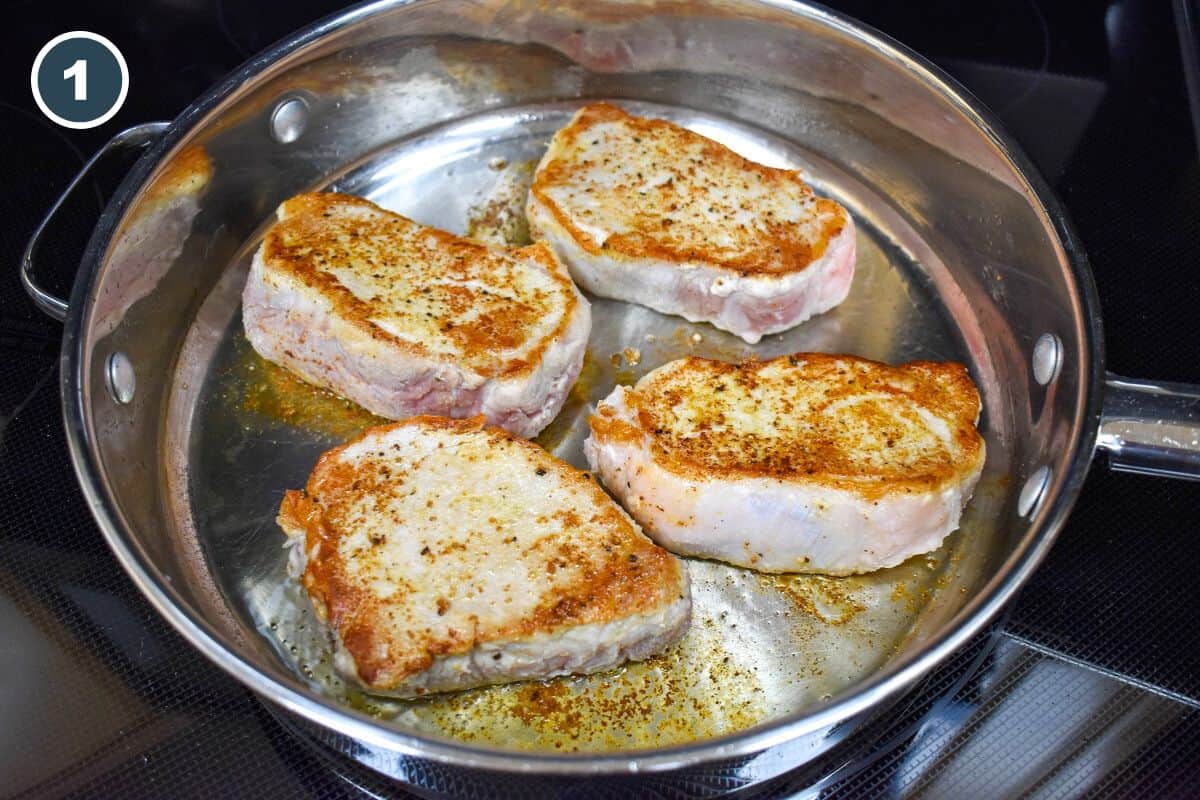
(186, 174)
(674, 219)
(839, 421)
(611, 569)
(473, 304)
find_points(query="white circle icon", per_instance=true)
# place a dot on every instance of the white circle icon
(79, 80)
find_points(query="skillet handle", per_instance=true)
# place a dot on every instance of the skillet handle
(1151, 428)
(131, 138)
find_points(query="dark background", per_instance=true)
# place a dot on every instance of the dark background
(1094, 91)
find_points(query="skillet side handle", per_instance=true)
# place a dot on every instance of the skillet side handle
(136, 137)
(1151, 428)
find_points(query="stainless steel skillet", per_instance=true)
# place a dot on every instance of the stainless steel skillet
(182, 440)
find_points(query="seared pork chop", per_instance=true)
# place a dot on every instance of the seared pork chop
(803, 463)
(646, 211)
(406, 319)
(443, 555)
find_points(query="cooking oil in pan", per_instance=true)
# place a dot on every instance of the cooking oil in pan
(760, 646)
(262, 393)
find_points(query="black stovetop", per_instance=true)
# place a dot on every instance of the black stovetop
(1088, 684)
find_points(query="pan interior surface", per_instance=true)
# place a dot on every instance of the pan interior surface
(437, 109)
(760, 647)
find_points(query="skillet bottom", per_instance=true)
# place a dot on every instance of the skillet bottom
(759, 647)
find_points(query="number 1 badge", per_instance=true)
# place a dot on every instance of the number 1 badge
(79, 80)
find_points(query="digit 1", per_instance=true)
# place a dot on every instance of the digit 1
(78, 73)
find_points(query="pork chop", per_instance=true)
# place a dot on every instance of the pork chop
(646, 211)
(405, 319)
(803, 463)
(442, 555)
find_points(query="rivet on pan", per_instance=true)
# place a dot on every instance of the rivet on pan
(1047, 358)
(121, 380)
(1033, 491)
(289, 119)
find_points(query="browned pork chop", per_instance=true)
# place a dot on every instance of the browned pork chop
(646, 211)
(443, 555)
(406, 319)
(803, 463)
